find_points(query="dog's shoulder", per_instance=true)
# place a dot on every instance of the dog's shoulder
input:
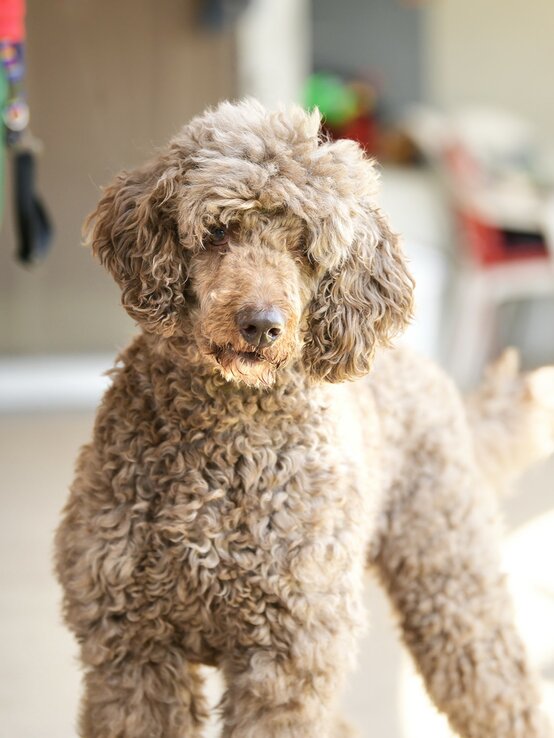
(418, 405)
(403, 383)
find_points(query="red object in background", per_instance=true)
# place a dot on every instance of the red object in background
(362, 129)
(490, 245)
(12, 16)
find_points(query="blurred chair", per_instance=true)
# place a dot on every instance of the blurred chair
(479, 291)
(502, 230)
(498, 261)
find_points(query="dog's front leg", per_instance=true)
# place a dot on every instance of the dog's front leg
(288, 693)
(438, 559)
(143, 697)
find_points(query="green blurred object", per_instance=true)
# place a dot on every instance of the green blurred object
(3, 99)
(336, 101)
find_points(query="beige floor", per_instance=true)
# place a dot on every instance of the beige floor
(39, 674)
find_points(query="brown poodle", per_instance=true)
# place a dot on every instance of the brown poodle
(234, 493)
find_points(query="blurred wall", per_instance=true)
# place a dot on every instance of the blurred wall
(381, 37)
(107, 82)
(274, 54)
(494, 52)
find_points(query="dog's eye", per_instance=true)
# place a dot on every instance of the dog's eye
(218, 236)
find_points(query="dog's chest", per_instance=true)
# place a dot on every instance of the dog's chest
(238, 479)
(254, 499)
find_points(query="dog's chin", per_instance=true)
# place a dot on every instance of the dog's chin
(253, 368)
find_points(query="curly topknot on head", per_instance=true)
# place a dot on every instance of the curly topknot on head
(247, 130)
(240, 162)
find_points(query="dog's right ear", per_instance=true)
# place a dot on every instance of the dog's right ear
(133, 232)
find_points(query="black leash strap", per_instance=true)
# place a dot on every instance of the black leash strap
(34, 230)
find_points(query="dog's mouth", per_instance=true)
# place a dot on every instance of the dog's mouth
(226, 355)
(255, 367)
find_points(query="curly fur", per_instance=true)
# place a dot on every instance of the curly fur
(232, 496)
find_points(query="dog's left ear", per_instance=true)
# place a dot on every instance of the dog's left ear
(360, 304)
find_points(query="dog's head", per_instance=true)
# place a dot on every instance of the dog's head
(261, 242)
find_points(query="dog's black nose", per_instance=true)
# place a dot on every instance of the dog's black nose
(260, 327)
